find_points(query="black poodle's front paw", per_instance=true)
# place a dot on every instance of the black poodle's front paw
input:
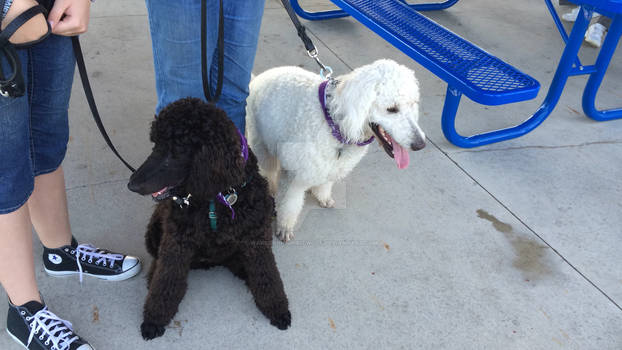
(282, 321)
(150, 330)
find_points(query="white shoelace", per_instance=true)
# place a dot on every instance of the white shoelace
(46, 324)
(87, 251)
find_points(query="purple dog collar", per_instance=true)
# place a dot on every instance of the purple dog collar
(222, 197)
(333, 126)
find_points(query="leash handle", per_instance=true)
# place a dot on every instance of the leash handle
(221, 53)
(77, 50)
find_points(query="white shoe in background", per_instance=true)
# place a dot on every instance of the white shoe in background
(595, 34)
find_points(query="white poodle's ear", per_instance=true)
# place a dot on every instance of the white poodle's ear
(354, 97)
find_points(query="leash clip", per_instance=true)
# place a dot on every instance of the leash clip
(10, 89)
(326, 72)
(312, 53)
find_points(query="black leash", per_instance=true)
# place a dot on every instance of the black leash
(88, 91)
(221, 53)
(301, 29)
(14, 85)
(312, 51)
(77, 50)
(310, 47)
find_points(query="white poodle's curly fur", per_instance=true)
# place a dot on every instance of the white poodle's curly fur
(287, 130)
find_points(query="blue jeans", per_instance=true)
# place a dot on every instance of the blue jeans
(175, 33)
(34, 128)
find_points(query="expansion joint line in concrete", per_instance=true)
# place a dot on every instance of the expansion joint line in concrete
(524, 224)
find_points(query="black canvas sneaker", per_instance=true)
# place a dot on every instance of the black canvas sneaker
(85, 259)
(36, 328)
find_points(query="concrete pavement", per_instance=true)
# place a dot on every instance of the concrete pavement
(510, 246)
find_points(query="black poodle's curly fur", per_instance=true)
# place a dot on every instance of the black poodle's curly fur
(199, 139)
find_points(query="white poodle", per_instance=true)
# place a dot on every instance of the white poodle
(288, 129)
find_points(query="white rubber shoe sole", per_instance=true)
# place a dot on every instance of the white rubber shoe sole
(25, 347)
(120, 277)
(15, 338)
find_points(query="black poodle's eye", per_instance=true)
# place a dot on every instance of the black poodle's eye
(393, 109)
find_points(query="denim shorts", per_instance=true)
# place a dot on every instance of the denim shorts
(34, 129)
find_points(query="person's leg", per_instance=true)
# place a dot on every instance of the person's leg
(595, 34)
(17, 274)
(176, 46)
(17, 270)
(52, 63)
(26, 313)
(48, 209)
(26, 307)
(177, 50)
(241, 30)
(32, 30)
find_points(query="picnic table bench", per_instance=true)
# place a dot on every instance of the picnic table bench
(477, 74)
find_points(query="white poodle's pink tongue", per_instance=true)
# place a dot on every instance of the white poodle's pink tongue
(402, 158)
(400, 154)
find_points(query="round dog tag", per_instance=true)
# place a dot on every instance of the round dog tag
(231, 198)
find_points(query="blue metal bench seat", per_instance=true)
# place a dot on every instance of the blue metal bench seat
(479, 75)
(475, 73)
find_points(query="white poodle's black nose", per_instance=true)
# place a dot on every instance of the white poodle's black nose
(419, 144)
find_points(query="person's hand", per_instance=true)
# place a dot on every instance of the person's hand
(70, 17)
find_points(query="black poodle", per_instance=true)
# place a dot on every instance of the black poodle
(214, 209)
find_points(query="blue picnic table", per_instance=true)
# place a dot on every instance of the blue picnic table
(477, 74)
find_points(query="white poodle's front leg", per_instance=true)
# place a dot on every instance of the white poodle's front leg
(323, 193)
(290, 199)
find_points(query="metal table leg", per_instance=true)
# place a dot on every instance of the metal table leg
(596, 78)
(564, 70)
